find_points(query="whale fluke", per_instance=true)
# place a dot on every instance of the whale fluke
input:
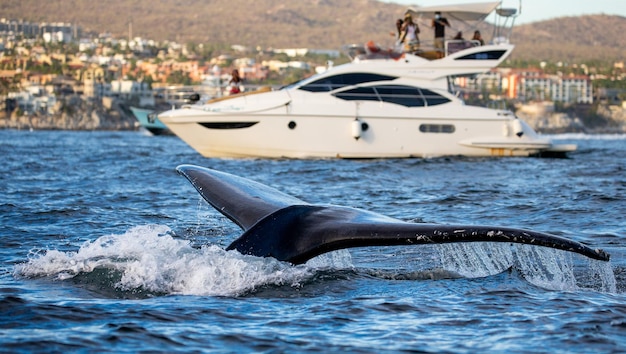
(289, 229)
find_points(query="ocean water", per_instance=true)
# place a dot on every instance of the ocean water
(105, 248)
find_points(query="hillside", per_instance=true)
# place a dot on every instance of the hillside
(307, 23)
(268, 23)
(593, 37)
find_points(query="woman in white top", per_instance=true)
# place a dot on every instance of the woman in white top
(410, 34)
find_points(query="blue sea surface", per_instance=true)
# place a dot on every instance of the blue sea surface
(105, 248)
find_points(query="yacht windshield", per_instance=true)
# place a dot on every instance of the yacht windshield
(331, 83)
(302, 82)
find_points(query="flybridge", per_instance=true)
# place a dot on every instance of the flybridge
(473, 14)
(431, 60)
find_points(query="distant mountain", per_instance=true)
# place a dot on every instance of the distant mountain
(592, 37)
(327, 24)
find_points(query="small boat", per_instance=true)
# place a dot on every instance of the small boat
(148, 119)
(171, 97)
(383, 104)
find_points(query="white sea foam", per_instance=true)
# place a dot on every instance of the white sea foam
(150, 259)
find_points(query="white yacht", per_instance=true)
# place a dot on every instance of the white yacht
(383, 104)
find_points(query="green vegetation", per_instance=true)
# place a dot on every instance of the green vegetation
(179, 77)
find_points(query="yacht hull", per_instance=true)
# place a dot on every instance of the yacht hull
(310, 136)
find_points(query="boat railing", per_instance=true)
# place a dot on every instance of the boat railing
(456, 45)
(248, 92)
(426, 50)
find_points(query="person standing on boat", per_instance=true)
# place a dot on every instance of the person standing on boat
(397, 46)
(440, 23)
(410, 34)
(398, 33)
(235, 82)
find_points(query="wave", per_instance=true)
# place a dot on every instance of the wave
(150, 261)
(584, 136)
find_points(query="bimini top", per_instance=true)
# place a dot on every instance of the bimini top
(462, 12)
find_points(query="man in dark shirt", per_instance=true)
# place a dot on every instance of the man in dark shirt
(440, 23)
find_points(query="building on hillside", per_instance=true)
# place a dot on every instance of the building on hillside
(292, 52)
(93, 88)
(56, 37)
(90, 72)
(49, 32)
(147, 68)
(32, 100)
(491, 82)
(573, 89)
(253, 72)
(22, 27)
(127, 90)
(33, 79)
(300, 52)
(611, 96)
(279, 66)
(530, 85)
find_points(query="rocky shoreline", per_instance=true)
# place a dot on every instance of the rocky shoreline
(116, 116)
(77, 115)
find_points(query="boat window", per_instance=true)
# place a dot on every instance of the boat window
(488, 55)
(403, 95)
(331, 83)
(437, 128)
(432, 98)
(358, 94)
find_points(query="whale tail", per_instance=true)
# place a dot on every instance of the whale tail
(289, 229)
